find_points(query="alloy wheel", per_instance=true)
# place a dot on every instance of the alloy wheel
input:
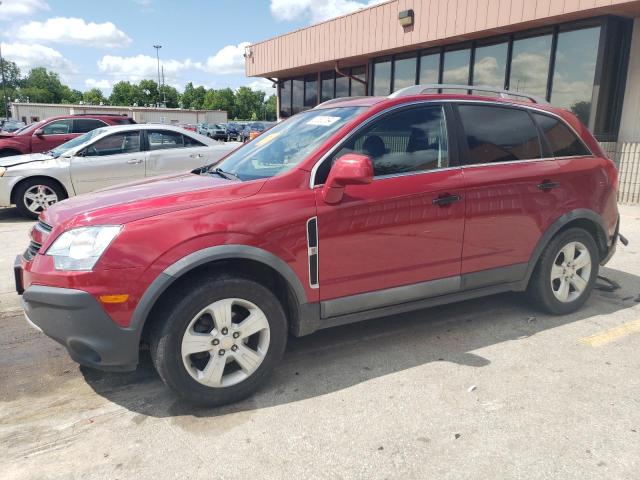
(571, 272)
(225, 342)
(38, 197)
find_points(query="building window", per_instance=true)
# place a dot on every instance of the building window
(574, 72)
(530, 65)
(297, 96)
(358, 89)
(490, 65)
(342, 86)
(382, 78)
(285, 98)
(404, 72)
(456, 67)
(430, 68)
(327, 86)
(310, 91)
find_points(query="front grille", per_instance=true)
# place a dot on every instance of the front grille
(31, 251)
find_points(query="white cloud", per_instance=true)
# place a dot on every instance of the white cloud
(21, 8)
(28, 56)
(74, 31)
(314, 10)
(228, 60)
(144, 66)
(263, 85)
(101, 84)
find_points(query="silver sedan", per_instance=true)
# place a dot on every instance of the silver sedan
(102, 158)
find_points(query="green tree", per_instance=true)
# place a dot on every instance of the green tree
(271, 106)
(43, 86)
(171, 95)
(223, 99)
(93, 97)
(249, 102)
(193, 97)
(126, 94)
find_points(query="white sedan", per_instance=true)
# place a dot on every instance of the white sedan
(102, 158)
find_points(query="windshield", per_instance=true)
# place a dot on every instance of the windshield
(287, 144)
(59, 150)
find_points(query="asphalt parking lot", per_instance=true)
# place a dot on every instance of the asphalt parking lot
(485, 389)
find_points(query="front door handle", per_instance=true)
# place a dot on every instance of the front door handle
(446, 199)
(196, 155)
(547, 185)
(134, 161)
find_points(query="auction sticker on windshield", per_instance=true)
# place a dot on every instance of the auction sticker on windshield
(323, 120)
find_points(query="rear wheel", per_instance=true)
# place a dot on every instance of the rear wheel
(220, 340)
(34, 196)
(566, 272)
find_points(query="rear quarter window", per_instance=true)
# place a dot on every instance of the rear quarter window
(561, 139)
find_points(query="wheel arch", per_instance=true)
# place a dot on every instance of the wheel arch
(581, 218)
(34, 177)
(10, 150)
(251, 262)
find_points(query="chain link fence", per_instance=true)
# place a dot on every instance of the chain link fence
(626, 155)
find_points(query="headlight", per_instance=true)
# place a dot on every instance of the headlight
(2, 170)
(81, 248)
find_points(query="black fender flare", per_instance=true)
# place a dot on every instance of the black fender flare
(559, 224)
(189, 262)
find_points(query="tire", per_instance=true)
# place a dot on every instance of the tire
(34, 195)
(187, 327)
(561, 285)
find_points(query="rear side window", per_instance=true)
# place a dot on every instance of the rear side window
(563, 142)
(164, 139)
(498, 134)
(192, 142)
(84, 125)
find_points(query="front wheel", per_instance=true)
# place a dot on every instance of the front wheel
(35, 195)
(566, 272)
(220, 339)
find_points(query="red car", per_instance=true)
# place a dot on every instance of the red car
(48, 134)
(359, 208)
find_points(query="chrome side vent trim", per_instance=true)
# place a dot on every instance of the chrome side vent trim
(312, 251)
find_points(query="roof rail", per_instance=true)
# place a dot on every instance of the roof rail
(422, 89)
(339, 99)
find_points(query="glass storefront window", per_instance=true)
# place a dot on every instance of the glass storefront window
(327, 86)
(382, 78)
(404, 72)
(285, 98)
(456, 67)
(530, 65)
(429, 68)
(342, 86)
(297, 93)
(490, 65)
(358, 89)
(310, 91)
(575, 71)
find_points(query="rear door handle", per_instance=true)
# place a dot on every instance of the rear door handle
(134, 161)
(446, 199)
(547, 185)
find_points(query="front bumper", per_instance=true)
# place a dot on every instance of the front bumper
(75, 319)
(611, 249)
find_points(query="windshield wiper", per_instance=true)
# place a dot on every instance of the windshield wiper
(225, 175)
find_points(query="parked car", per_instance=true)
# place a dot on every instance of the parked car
(234, 131)
(217, 132)
(359, 208)
(189, 127)
(101, 158)
(10, 126)
(252, 130)
(48, 134)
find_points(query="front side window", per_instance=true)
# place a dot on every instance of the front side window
(562, 141)
(411, 140)
(76, 142)
(59, 127)
(498, 134)
(116, 144)
(164, 139)
(287, 144)
(84, 125)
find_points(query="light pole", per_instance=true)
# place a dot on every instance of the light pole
(158, 47)
(4, 84)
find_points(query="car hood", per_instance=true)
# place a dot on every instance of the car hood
(15, 160)
(134, 201)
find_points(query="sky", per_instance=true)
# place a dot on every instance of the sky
(96, 43)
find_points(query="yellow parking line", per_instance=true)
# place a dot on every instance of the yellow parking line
(611, 335)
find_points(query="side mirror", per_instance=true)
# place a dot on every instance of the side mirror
(350, 169)
(39, 132)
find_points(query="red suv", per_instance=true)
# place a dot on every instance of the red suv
(48, 134)
(360, 208)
